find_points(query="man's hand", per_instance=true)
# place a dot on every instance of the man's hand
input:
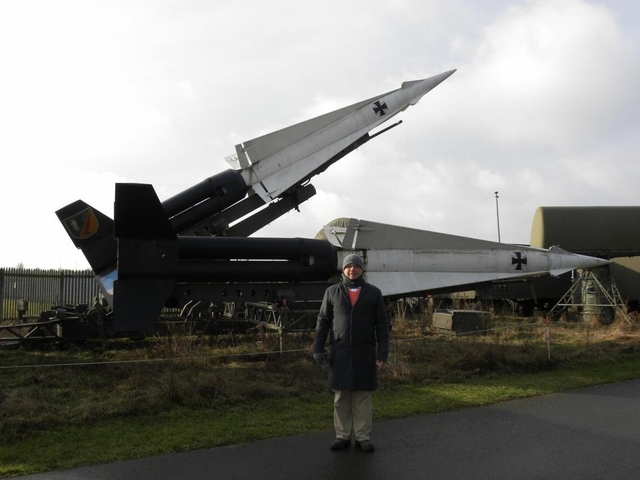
(321, 358)
(380, 364)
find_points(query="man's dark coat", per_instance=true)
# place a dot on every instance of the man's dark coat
(358, 336)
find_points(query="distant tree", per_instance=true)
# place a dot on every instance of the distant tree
(20, 265)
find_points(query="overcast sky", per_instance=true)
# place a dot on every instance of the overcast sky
(544, 107)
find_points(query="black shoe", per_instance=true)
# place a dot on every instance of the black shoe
(340, 444)
(365, 446)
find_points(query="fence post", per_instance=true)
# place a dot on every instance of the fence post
(1, 293)
(61, 289)
(548, 335)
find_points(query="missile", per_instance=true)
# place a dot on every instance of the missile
(275, 165)
(272, 163)
(402, 260)
(153, 261)
(272, 169)
(157, 268)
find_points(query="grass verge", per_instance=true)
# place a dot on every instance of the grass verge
(183, 429)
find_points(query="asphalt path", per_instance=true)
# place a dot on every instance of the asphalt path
(591, 433)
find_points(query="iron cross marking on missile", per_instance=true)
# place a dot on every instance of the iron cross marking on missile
(379, 108)
(518, 260)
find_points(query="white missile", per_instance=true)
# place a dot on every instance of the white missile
(279, 160)
(401, 260)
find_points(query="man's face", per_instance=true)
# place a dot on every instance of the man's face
(352, 271)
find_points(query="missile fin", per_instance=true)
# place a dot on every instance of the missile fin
(137, 303)
(272, 186)
(91, 231)
(138, 213)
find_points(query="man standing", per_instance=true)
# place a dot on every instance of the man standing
(354, 315)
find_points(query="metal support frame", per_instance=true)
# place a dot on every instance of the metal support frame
(22, 332)
(279, 318)
(613, 297)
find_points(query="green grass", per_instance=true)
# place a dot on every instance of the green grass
(486, 390)
(184, 429)
(54, 418)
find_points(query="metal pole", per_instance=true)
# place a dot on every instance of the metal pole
(498, 217)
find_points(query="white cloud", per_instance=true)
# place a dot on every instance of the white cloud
(545, 75)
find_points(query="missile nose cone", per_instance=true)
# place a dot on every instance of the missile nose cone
(424, 86)
(587, 262)
(563, 261)
(443, 76)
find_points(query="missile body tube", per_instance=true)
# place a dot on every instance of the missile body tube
(215, 259)
(241, 248)
(249, 271)
(220, 191)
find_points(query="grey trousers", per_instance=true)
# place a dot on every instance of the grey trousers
(352, 412)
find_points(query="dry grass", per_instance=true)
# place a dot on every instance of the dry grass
(192, 371)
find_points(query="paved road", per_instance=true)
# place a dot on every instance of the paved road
(592, 433)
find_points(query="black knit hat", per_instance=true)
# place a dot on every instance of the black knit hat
(353, 259)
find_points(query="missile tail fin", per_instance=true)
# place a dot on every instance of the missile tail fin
(138, 213)
(137, 303)
(92, 232)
